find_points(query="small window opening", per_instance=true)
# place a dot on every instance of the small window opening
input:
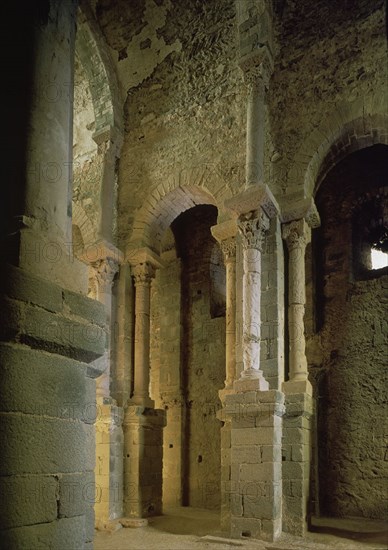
(379, 259)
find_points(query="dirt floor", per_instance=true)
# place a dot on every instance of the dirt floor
(197, 529)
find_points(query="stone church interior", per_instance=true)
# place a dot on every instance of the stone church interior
(195, 269)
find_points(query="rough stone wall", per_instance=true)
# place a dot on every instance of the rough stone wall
(350, 375)
(185, 110)
(330, 66)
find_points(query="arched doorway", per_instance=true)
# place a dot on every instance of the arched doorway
(350, 382)
(188, 358)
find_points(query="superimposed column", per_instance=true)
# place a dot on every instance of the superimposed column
(255, 127)
(143, 274)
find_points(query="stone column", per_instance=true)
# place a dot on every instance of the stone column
(143, 274)
(103, 272)
(109, 432)
(297, 234)
(143, 424)
(253, 228)
(225, 234)
(298, 391)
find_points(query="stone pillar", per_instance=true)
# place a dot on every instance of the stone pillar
(297, 234)
(298, 391)
(143, 274)
(143, 424)
(51, 333)
(256, 463)
(254, 411)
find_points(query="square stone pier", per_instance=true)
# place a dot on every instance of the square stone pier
(255, 463)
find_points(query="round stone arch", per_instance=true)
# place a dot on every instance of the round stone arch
(163, 205)
(351, 126)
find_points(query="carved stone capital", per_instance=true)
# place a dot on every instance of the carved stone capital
(228, 247)
(257, 68)
(253, 227)
(143, 273)
(103, 272)
(297, 234)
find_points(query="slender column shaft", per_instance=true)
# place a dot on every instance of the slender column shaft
(228, 247)
(255, 132)
(103, 272)
(253, 228)
(143, 274)
(297, 235)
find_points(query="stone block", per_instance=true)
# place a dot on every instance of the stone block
(295, 470)
(262, 508)
(271, 453)
(294, 435)
(87, 308)
(38, 383)
(245, 527)
(21, 285)
(76, 494)
(260, 472)
(248, 454)
(271, 529)
(300, 453)
(256, 436)
(66, 533)
(62, 335)
(27, 500)
(39, 445)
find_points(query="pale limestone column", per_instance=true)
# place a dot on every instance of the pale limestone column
(297, 235)
(225, 234)
(143, 274)
(228, 248)
(102, 275)
(255, 126)
(253, 228)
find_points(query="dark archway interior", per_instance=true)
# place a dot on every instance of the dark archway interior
(351, 309)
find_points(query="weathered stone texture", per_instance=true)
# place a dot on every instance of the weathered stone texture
(353, 333)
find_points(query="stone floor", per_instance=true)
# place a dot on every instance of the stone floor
(196, 529)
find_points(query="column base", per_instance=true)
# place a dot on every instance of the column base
(143, 460)
(134, 523)
(138, 401)
(297, 386)
(250, 384)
